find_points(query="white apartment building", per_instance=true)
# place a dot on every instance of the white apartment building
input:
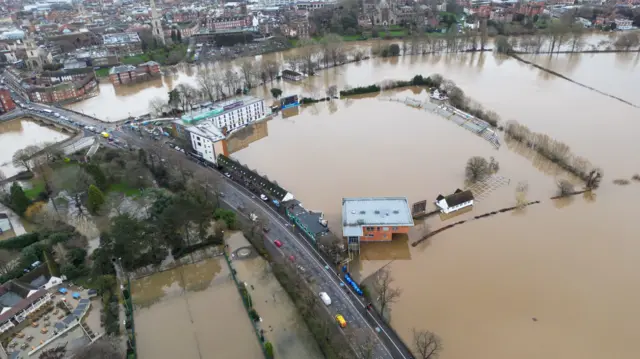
(210, 127)
(270, 3)
(207, 140)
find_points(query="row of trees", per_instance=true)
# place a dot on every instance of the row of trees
(557, 152)
(217, 82)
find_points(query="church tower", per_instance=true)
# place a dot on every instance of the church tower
(156, 25)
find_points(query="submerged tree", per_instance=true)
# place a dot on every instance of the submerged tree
(426, 344)
(477, 169)
(387, 295)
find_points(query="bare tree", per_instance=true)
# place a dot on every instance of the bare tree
(308, 53)
(576, 40)
(565, 187)
(247, 69)
(426, 344)
(477, 169)
(387, 295)
(293, 62)
(484, 34)
(364, 343)
(521, 194)
(594, 178)
(332, 91)
(230, 81)
(206, 81)
(157, 106)
(22, 158)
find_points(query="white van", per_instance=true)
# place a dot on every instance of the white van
(325, 298)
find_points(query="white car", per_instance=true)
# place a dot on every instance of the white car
(325, 298)
(263, 197)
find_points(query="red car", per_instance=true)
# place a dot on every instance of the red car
(292, 258)
(277, 243)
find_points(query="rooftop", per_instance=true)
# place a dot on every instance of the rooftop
(15, 296)
(374, 211)
(220, 108)
(206, 129)
(120, 38)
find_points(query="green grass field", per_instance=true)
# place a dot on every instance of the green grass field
(124, 189)
(37, 186)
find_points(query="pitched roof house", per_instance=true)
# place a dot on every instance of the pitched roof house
(456, 201)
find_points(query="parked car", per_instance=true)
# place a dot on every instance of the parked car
(325, 298)
(263, 197)
(277, 243)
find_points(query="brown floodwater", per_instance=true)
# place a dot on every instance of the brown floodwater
(571, 265)
(192, 312)
(20, 133)
(556, 279)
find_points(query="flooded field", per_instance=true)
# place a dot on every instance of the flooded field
(20, 133)
(192, 312)
(525, 284)
(283, 326)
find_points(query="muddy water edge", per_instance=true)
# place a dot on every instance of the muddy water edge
(558, 273)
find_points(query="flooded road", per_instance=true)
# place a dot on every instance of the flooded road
(569, 264)
(192, 312)
(20, 133)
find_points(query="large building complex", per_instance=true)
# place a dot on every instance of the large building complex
(207, 130)
(374, 218)
(18, 300)
(124, 43)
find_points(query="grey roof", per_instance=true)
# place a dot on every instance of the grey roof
(121, 68)
(375, 211)
(40, 281)
(311, 220)
(10, 299)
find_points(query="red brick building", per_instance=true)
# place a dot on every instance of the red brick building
(228, 23)
(6, 102)
(61, 86)
(126, 74)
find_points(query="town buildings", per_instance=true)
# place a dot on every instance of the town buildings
(126, 74)
(454, 202)
(374, 219)
(6, 102)
(62, 86)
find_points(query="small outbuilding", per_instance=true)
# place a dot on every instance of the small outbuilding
(454, 202)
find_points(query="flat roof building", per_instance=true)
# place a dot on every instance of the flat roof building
(375, 218)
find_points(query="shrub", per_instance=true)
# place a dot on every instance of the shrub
(20, 242)
(268, 349)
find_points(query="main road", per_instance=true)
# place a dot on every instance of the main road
(374, 339)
